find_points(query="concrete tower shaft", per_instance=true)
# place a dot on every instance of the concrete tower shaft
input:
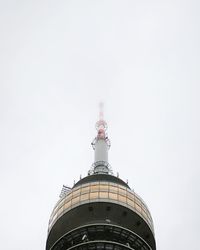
(101, 151)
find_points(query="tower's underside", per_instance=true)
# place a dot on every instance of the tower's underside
(106, 226)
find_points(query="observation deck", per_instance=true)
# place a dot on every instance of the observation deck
(101, 202)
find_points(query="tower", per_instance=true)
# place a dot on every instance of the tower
(100, 211)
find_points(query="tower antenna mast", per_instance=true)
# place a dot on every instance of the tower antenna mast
(101, 106)
(101, 145)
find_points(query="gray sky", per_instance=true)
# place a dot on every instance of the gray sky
(58, 59)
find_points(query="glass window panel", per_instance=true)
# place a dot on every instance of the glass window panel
(103, 187)
(130, 196)
(122, 198)
(103, 195)
(143, 212)
(75, 200)
(84, 197)
(85, 189)
(113, 196)
(114, 184)
(76, 193)
(104, 182)
(67, 205)
(122, 191)
(94, 188)
(130, 202)
(68, 198)
(144, 215)
(137, 200)
(94, 195)
(137, 207)
(114, 189)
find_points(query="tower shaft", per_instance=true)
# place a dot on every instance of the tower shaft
(101, 151)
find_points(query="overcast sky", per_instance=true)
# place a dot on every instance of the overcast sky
(58, 60)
